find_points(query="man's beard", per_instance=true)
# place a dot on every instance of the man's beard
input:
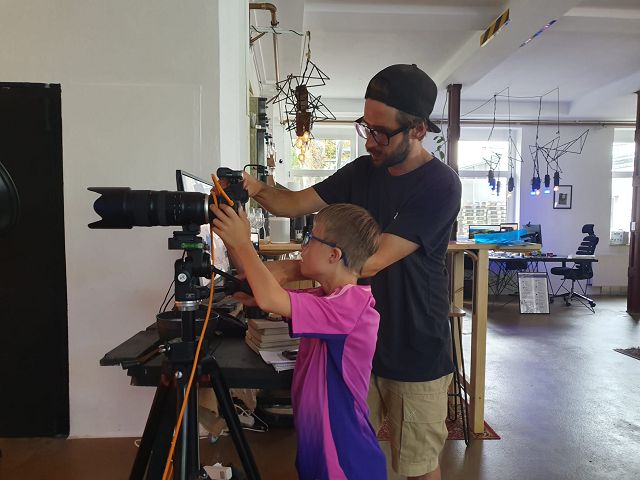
(394, 158)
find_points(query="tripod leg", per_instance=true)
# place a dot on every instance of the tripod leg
(162, 442)
(160, 409)
(187, 456)
(210, 366)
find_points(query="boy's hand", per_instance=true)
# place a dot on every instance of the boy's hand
(233, 228)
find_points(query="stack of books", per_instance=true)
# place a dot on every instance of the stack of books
(269, 335)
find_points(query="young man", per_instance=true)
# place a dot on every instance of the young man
(415, 198)
(337, 325)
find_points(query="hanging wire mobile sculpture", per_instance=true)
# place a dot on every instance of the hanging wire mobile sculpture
(549, 152)
(302, 108)
(492, 157)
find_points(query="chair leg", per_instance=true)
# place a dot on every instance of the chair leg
(567, 296)
(581, 297)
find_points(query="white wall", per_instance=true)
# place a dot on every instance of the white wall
(146, 88)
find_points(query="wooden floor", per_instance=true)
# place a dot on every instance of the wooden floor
(565, 404)
(111, 458)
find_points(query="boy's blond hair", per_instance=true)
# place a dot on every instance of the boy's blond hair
(353, 230)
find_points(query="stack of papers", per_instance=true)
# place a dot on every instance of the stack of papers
(277, 360)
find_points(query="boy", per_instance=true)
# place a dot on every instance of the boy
(338, 328)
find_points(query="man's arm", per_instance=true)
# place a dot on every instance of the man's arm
(392, 248)
(283, 203)
(285, 271)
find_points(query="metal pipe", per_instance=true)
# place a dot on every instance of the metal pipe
(489, 121)
(274, 23)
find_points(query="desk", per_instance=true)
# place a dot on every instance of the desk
(479, 253)
(505, 276)
(241, 366)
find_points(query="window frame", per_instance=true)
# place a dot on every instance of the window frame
(623, 135)
(481, 133)
(334, 132)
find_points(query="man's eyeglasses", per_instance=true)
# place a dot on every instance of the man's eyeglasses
(309, 236)
(381, 137)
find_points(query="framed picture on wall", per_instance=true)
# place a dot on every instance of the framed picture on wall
(562, 198)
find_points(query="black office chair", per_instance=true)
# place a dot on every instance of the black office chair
(581, 270)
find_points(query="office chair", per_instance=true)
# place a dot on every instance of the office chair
(581, 270)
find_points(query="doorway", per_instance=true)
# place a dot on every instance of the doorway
(33, 286)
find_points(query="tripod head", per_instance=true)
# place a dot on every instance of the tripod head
(196, 263)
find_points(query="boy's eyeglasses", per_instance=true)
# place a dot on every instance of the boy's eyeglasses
(381, 137)
(309, 236)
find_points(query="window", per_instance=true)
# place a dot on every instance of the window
(332, 147)
(622, 154)
(482, 205)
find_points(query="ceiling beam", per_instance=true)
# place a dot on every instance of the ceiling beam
(472, 62)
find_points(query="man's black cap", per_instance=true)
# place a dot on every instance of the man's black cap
(406, 88)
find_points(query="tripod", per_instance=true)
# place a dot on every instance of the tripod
(155, 444)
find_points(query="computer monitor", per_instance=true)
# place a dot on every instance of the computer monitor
(475, 229)
(534, 233)
(188, 182)
(508, 227)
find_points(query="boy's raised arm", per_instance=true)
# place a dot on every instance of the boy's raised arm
(234, 231)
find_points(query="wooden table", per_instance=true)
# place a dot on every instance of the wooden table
(479, 253)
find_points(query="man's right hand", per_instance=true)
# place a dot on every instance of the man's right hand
(252, 185)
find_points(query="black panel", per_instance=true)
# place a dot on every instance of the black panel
(34, 398)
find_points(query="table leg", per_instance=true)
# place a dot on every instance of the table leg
(479, 340)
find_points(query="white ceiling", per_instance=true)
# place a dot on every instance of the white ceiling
(592, 52)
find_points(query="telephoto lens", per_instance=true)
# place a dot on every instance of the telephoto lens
(121, 207)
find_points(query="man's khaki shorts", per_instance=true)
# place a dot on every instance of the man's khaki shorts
(416, 414)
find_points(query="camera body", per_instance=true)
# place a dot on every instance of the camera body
(231, 181)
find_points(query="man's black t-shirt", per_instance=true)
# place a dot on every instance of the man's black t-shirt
(411, 295)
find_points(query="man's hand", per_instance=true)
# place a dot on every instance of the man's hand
(232, 227)
(251, 184)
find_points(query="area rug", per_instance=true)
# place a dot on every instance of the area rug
(633, 352)
(456, 432)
